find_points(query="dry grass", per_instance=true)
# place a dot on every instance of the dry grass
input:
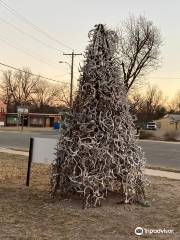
(30, 213)
(13, 170)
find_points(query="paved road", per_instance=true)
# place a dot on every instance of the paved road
(163, 154)
(20, 140)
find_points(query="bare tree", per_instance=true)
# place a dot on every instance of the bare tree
(45, 93)
(137, 106)
(139, 49)
(50, 94)
(6, 95)
(154, 99)
(148, 106)
(174, 105)
(18, 86)
(64, 93)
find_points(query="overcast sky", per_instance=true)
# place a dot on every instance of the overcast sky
(69, 22)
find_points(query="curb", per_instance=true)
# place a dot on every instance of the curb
(160, 141)
(166, 174)
(163, 169)
(12, 151)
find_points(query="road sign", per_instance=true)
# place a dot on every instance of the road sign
(22, 110)
(41, 150)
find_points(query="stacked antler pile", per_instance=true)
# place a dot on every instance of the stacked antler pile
(97, 150)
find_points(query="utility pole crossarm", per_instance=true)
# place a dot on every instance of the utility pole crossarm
(70, 54)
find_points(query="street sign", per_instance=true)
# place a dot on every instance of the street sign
(41, 150)
(22, 110)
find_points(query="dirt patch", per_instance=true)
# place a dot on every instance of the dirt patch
(30, 213)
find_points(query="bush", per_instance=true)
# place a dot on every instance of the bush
(171, 135)
(145, 135)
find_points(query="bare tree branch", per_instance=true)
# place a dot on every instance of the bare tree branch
(139, 48)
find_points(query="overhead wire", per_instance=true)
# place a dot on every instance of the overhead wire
(37, 58)
(14, 12)
(36, 75)
(164, 77)
(34, 26)
(29, 35)
(27, 53)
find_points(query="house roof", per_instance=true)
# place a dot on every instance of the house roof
(174, 117)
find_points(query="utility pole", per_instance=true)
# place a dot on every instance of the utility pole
(22, 118)
(72, 72)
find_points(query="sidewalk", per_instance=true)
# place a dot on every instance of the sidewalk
(15, 152)
(148, 171)
(159, 173)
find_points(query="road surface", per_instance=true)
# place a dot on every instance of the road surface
(162, 154)
(20, 140)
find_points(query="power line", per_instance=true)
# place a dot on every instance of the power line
(29, 35)
(26, 52)
(40, 76)
(62, 75)
(164, 77)
(37, 28)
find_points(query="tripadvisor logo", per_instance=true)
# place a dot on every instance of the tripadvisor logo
(140, 231)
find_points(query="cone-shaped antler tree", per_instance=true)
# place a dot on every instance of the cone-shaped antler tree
(97, 151)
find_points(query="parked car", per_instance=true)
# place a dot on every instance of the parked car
(151, 126)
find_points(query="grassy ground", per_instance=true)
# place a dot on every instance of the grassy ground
(30, 213)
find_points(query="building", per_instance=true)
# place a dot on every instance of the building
(32, 119)
(3, 110)
(169, 122)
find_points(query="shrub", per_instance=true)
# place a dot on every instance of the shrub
(171, 135)
(145, 135)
